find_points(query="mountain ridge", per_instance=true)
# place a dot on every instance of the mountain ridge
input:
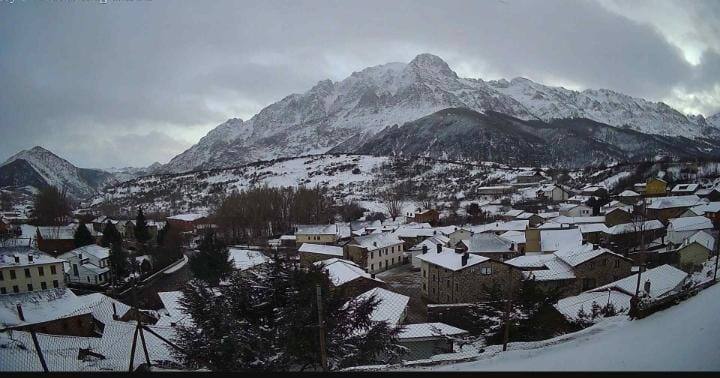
(367, 101)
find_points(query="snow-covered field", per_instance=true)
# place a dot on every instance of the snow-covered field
(685, 337)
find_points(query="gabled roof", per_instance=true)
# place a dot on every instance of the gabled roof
(577, 220)
(703, 238)
(659, 203)
(375, 241)
(39, 306)
(318, 229)
(321, 249)
(553, 240)
(628, 193)
(685, 188)
(710, 207)
(575, 256)
(57, 232)
(188, 217)
(390, 308)
(689, 223)
(449, 259)
(543, 267)
(625, 228)
(244, 259)
(514, 225)
(99, 252)
(428, 330)
(515, 236)
(513, 212)
(431, 243)
(8, 254)
(343, 271)
(488, 242)
(663, 279)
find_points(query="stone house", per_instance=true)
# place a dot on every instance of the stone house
(489, 245)
(311, 253)
(431, 216)
(628, 197)
(617, 215)
(451, 277)
(55, 240)
(664, 208)
(375, 252)
(348, 278)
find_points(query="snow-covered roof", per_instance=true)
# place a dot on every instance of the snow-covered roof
(592, 227)
(390, 308)
(553, 240)
(488, 242)
(575, 256)
(188, 217)
(659, 203)
(513, 212)
(101, 306)
(321, 249)
(39, 306)
(663, 279)
(570, 306)
(288, 237)
(577, 220)
(449, 259)
(94, 250)
(411, 232)
(549, 214)
(684, 188)
(8, 254)
(628, 193)
(543, 267)
(57, 232)
(689, 223)
(703, 238)
(431, 243)
(343, 271)
(515, 236)
(710, 207)
(513, 225)
(317, 229)
(375, 241)
(429, 330)
(625, 228)
(244, 259)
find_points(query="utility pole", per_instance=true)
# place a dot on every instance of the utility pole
(321, 327)
(637, 288)
(508, 308)
(717, 257)
(39, 351)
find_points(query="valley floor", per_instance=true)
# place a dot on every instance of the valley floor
(685, 337)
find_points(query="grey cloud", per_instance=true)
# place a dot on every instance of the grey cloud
(127, 69)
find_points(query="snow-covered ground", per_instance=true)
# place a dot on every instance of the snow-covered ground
(682, 337)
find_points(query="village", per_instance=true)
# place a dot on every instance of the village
(565, 259)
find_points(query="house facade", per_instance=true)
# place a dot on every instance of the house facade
(24, 269)
(375, 252)
(88, 265)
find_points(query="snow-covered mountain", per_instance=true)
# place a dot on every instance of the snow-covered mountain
(358, 107)
(39, 168)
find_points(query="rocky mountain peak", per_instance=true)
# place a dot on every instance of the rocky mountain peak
(431, 64)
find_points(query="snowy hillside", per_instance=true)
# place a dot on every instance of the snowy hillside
(355, 177)
(681, 338)
(39, 167)
(348, 111)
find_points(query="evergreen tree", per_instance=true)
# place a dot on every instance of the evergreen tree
(266, 320)
(141, 232)
(119, 261)
(83, 236)
(110, 235)
(211, 262)
(168, 247)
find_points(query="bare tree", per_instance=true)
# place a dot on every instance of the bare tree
(393, 202)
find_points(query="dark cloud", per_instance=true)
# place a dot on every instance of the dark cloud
(94, 82)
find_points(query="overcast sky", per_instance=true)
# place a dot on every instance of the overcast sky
(128, 83)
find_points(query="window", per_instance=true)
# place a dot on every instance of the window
(371, 254)
(41, 271)
(88, 278)
(386, 252)
(16, 289)
(55, 284)
(604, 262)
(1, 276)
(12, 274)
(27, 273)
(2, 290)
(447, 283)
(424, 287)
(393, 261)
(29, 286)
(617, 263)
(52, 269)
(43, 285)
(372, 266)
(75, 270)
(433, 277)
(433, 290)
(486, 270)
(456, 286)
(424, 273)
(100, 277)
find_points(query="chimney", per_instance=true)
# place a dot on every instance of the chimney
(20, 312)
(439, 248)
(464, 259)
(512, 246)
(424, 249)
(595, 246)
(374, 244)
(647, 286)
(115, 315)
(173, 324)
(372, 275)
(80, 256)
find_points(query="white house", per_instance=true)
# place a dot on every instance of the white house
(553, 192)
(87, 265)
(575, 210)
